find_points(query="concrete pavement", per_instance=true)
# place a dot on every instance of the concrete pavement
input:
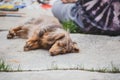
(58, 75)
(96, 52)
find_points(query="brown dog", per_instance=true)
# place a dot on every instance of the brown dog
(44, 32)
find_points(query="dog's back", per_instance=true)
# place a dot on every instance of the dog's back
(42, 24)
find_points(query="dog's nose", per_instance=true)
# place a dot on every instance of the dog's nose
(53, 53)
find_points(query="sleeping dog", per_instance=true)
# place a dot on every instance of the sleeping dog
(44, 32)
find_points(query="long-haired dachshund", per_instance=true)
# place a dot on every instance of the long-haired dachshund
(44, 32)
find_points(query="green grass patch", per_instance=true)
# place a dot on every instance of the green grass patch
(71, 27)
(4, 66)
(114, 69)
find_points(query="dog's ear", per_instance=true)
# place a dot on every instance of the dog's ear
(59, 36)
(75, 48)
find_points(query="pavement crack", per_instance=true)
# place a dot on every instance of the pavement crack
(3, 30)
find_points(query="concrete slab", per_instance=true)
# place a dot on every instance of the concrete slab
(96, 52)
(58, 75)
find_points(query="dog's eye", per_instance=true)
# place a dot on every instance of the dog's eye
(61, 44)
(64, 44)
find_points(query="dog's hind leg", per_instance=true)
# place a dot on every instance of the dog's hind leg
(21, 30)
(12, 32)
(17, 31)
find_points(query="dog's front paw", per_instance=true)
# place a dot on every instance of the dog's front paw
(28, 46)
(10, 35)
(31, 45)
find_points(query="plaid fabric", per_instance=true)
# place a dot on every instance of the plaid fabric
(99, 16)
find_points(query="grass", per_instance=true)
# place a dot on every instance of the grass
(4, 66)
(71, 27)
(114, 69)
(106, 70)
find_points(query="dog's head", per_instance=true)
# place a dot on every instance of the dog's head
(63, 47)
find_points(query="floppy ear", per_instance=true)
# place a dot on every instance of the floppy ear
(59, 36)
(75, 48)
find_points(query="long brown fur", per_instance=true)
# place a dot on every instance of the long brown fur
(44, 32)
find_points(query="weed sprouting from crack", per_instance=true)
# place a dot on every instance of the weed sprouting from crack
(4, 66)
